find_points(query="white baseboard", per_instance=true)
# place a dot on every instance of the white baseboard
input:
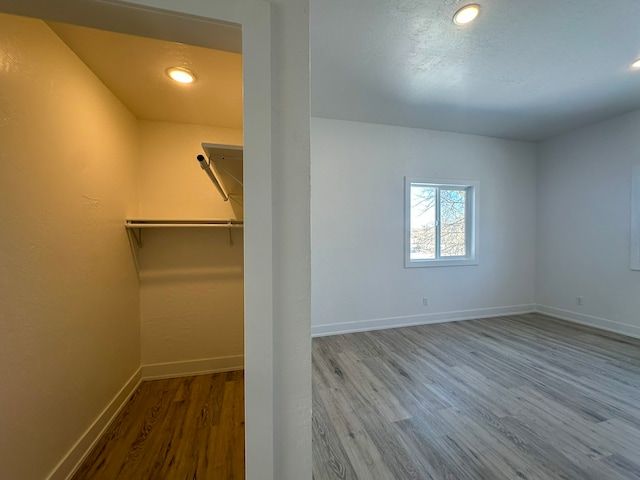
(65, 469)
(76, 455)
(192, 367)
(425, 319)
(591, 321)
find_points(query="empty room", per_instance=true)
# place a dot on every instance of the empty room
(475, 212)
(437, 274)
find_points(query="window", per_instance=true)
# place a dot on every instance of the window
(440, 222)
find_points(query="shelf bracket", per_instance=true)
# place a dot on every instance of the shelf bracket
(138, 237)
(230, 236)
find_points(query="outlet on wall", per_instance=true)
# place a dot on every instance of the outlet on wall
(425, 301)
(579, 300)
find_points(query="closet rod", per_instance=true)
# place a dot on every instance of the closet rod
(134, 225)
(176, 225)
(144, 223)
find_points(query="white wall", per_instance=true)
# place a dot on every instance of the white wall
(171, 182)
(584, 205)
(69, 331)
(358, 275)
(191, 280)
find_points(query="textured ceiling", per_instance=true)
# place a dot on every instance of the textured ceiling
(133, 68)
(526, 69)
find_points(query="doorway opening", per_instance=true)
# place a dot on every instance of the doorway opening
(151, 239)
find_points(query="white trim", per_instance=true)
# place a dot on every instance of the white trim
(258, 243)
(190, 368)
(79, 451)
(412, 320)
(591, 321)
(455, 316)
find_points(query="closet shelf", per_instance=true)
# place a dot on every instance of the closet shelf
(134, 225)
(194, 222)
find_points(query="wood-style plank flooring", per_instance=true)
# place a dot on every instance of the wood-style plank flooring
(189, 428)
(519, 397)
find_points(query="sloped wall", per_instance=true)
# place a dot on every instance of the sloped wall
(69, 330)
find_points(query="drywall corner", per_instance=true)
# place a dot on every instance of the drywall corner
(76, 455)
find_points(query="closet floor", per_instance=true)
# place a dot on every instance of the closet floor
(187, 428)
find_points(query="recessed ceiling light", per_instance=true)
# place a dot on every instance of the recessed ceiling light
(636, 64)
(466, 14)
(181, 75)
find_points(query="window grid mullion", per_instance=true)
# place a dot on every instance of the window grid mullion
(467, 222)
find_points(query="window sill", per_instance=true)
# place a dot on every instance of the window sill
(440, 263)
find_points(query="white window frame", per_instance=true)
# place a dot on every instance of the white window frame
(471, 219)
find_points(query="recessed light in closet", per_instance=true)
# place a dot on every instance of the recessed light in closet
(181, 75)
(636, 64)
(466, 14)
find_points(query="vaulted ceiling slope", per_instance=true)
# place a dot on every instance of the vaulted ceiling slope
(134, 69)
(524, 70)
(133, 66)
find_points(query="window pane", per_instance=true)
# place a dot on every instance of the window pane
(452, 223)
(423, 222)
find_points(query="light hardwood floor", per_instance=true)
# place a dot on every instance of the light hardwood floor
(519, 397)
(188, 428)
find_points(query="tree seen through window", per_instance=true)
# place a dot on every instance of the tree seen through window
(438, 222)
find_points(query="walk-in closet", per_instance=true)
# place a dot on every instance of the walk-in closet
(121, 203)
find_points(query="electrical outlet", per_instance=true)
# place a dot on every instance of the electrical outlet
(579, 300)
(425, 301)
